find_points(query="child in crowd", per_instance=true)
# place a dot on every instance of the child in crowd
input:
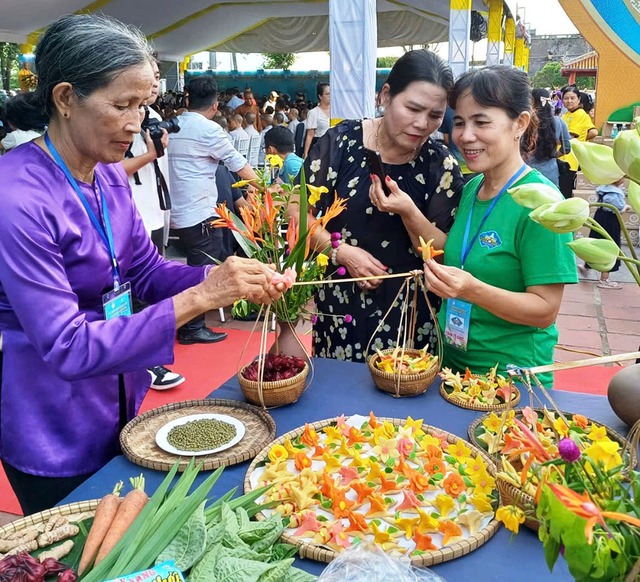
(610, 194)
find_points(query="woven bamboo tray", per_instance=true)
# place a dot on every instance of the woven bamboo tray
(138, 437)
(274, 394)
(479, 406)
(74, 511)
(402, 384)
(512, 495)
(322, 553)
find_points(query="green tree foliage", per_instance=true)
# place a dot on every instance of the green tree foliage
(385, 62)
(549, 76)
(8, 63)
(282, 61)
(586, 82)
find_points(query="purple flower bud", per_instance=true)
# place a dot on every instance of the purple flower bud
(335, 236)
(348, 318)
(341, 271)
(314, 319)
(568, 450)
(335, 244)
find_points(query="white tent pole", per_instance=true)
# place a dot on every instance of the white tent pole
(459, 26)
(353, 40)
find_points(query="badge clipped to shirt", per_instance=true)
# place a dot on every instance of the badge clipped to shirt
(458, 319)
(117, 303)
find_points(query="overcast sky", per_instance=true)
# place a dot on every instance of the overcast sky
(545, 16)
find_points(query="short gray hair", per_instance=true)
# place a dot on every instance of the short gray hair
(88, 51)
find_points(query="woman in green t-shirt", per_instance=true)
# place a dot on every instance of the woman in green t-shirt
(503, 274)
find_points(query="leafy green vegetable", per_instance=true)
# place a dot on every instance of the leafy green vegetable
(191, 542)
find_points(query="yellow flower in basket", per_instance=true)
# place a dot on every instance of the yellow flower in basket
(605, 453)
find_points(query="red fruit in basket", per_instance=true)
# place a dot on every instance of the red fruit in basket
(21, 567)
(276, 367)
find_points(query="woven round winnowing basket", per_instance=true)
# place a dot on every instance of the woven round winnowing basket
(479, 405)
(73, 511)
(511, 495)
(402, 384)
(321, 553)
(274, 394)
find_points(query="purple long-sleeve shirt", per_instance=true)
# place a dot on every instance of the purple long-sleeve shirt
(59, 411)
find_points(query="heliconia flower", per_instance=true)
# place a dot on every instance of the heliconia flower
(562, 217)
(292, 233)
(316, 192)
(348, 318)
(583, 506)
(626, 152)
(242, 183)
(511, 516)
(427, 251)
(633, 195)
(568, 450)
(600, 253)
(597, 161)
(534, 195)
(341, 271)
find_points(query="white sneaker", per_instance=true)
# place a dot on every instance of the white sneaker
(162, 378)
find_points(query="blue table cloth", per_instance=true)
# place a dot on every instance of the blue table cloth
(347, 388)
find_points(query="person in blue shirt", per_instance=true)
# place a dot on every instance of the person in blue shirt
(279, 140)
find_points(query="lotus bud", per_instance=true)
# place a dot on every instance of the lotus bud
(562, 217)
(634, 196)
(597, 162)
(601, 254)
(534, 195)
(626, 151)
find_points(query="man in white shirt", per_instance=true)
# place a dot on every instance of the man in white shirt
(250, 124)
(235, 127)
(236, 100)
(194, 154)
(292, 116)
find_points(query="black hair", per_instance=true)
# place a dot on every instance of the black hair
(503, 87)
(71, 50)
(571, 89)
(24, 115)
(203, 92)
(546, 142)
(280, 138)
(320, 89)
(419, 65)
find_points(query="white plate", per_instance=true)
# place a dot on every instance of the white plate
(163, 432)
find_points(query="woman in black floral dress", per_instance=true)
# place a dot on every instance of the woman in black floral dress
(379, 236)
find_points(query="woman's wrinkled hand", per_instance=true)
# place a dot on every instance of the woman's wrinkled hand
(361, 263)
(398, 202)
(447, 282)
(240, 278)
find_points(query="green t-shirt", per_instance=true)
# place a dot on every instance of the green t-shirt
(511, 252)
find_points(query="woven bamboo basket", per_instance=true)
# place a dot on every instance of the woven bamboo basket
(73, 511)
(512, 495)
(321, 553)
(274, 394)
(479, 405)
(402, 384)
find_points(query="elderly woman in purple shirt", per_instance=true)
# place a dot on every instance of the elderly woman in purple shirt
(72, 250)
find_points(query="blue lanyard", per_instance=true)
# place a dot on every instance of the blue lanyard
(105, 232)
(466, 244)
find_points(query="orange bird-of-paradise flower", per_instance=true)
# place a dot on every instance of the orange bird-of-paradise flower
(582, 505)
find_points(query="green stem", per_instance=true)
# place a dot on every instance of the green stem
(622, 226)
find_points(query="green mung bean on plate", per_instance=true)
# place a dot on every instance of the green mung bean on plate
(201, 435)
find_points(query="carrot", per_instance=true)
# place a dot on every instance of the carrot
(105, 512)
(131, 506)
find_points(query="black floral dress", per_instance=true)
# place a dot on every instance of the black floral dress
(434, 182)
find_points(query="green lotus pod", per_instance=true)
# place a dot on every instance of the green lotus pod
(600, 253)
(534, 195)
(634, 196)
(597, 161)
(562, 217)
(626, 152)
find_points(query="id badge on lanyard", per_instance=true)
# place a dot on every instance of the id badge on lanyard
(458, 311)
(117, 303)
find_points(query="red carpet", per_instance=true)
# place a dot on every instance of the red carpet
(205, 367)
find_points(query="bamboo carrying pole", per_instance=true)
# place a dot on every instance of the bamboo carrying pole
(576, 364)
